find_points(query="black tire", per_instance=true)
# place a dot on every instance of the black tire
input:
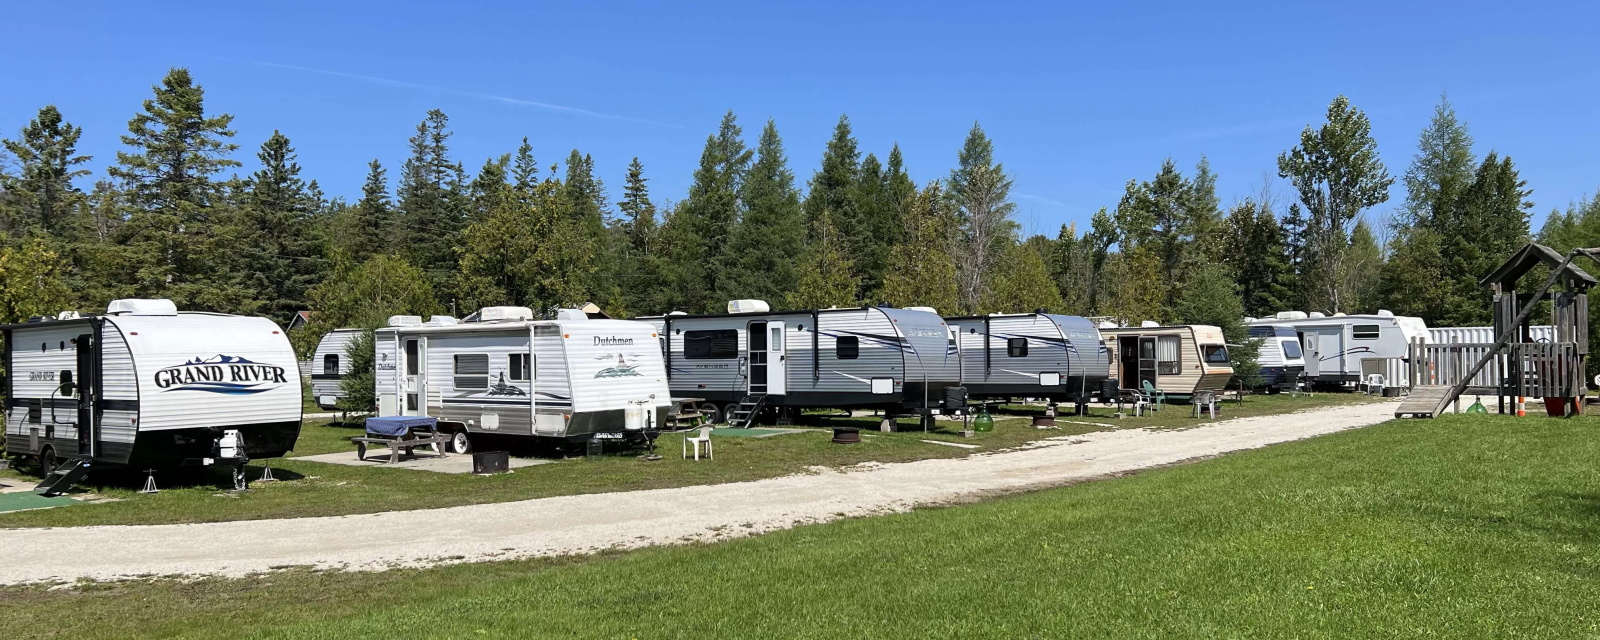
(460, 442)
(48, 461)
(727, 411)
(711, 413)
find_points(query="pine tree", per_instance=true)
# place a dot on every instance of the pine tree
(1337, 173)
(433, 202)
(766, 246)
(490, 181)
(828, 278)
(901, 188)
(525, 169)
(921, 271)
(1256, 258)
(1362, 268)
(283, 255)
(42, 195)
(1069, 267)
(1480, 228)
(832, 187)
(981, 193)
(1444, 155)
(639, 214)
(700, 236)
(177, 229)
(375, 226)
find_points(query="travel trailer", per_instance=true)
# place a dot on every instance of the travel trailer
(1178, 360)
(1031, 355)
(148, 386)
(329, 365)
(751, 358)
(500, 372)
(1281, 359)
(1334, 346)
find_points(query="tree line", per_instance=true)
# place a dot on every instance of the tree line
(169, 219)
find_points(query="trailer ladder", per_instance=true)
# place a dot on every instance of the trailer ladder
(62, 479)
(745, 414)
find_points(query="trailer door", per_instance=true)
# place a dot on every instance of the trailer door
(777, 360)
(1147, 361)
(1313, 355)
(756, 358)
(414, 375)
(88, 373)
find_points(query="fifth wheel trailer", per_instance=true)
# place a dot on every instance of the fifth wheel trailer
(147, 385)
(1335, 346)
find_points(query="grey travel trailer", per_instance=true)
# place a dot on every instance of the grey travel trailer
(329, 365)
(500, 372)
(1031, 355)
(1282, 361)
(901, 361)
(148, 386)
(1335, 346)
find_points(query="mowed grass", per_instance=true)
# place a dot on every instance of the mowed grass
(319, 489)
(1461, 527)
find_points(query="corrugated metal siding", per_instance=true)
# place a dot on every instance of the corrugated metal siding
(690, 378)
(509, 400)
(162, 342)
(386, 362)
(118, 381)
(1484, 335)
(925, 345)
(881, 353)
(337, 343)
(38, 356)
(614, 364)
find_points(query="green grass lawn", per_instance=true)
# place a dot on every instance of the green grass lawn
(319, 489)
(1461, 527)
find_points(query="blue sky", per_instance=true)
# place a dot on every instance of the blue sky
(1078, 97)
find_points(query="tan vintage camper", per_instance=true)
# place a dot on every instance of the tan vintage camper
(1178, 360)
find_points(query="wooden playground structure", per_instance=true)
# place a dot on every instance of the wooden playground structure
(1513, 367)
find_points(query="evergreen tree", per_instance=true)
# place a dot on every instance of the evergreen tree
(283, 254)
(1337, 173)
(1362, 268)
(1022, 284)
(981, 193)
(828, 279)
(359, 386)
(525, 170)
(1101, 235)
(177, 228)
(1478, 229)
(832, 187)
(901, 188)
(1257, 258)
(1212, 298)
(766, 246)
(1070, 271)
(432, 202)
(42, 194)
(1444, 156)
(700, 238)
(921, 271)
(374, 217)
(490, 181)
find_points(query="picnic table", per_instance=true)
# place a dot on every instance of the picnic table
(401, 433)
(685, 414)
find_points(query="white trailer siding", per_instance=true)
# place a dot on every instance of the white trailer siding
(38, 357)
(119, 385)
(1335, 346)
(1484, 335)
(211, 370)
(330, 364)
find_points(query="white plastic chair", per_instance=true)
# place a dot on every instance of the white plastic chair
(705, 438)
(1141, 403)
(1375, 384)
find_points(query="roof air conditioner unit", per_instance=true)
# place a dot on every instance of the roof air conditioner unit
(68, 315)
(1107, 324)
(1148, 324)
(405, 321)
(1291, 315)
(1318, 314)
(440, 321)
(748, 306)
(1248, 319)
(679, 313)
(504, 314)
(142, 307)
(1339, 314)
(570, 315)
(924, 310)
(1385, 313)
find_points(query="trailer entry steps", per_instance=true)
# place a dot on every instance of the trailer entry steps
(1426, 401)
(62, 479)
(745, 414)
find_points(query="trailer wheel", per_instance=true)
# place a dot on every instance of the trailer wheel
(712, 414)
(47, 461)
(727, 411)
(459, 443)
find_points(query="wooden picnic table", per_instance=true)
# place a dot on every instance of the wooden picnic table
(401, 433)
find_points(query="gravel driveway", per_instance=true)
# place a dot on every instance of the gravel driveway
(587, 523)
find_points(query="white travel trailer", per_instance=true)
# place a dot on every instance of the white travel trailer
(329, 365)
(1281, 359)
(147, 385)
(1334, 346)
(1178, 360)
(898, 360)
(499, 372)
(1031, 355)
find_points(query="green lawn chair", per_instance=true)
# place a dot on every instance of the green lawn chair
(1156, 396)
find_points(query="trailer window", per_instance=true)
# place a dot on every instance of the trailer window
(1168, 362)
(1291, 349)
(1214, 353)
(472, 371)
(1017, 348)
(330, 363)
(411, 357)
(1364, 332)
(519, 367)
(847, 348)
(715, 344)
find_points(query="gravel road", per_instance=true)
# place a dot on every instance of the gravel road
(588, 523)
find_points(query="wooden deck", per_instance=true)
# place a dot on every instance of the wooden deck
(1425, 401)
